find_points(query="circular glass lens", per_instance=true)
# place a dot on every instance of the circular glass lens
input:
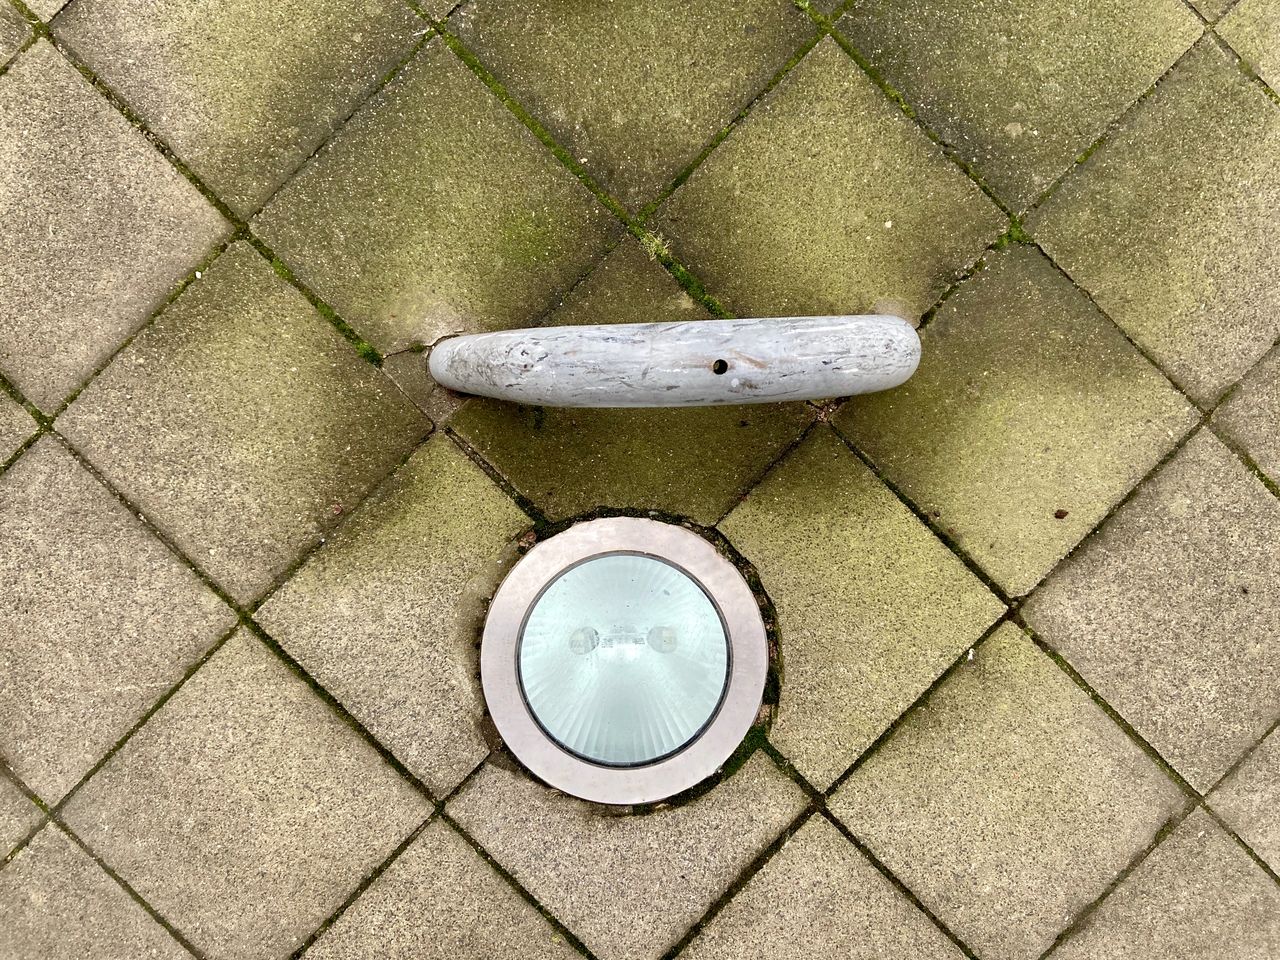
(623, 659)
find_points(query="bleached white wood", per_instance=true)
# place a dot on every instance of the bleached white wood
(685, 364)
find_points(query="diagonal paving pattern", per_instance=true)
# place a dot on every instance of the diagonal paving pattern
(1025, 604)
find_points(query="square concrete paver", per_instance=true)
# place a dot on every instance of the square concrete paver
(1250, 417)
(57, 904)
(243, 92)
(1253, 30)
(97, 619)
(818, 898)
(1249, 799)
(1029, 418)
(98, 227)
(1173, 225)
(246, 810)
(46, 9)
(1020, 87)
(827, 199)
(435, 211)
(694, 461)
(1198, 896)
(18, 816)
(242, 423)
(628, 886)
(871, 606)
(633, 90)
(14, 31)
(440, 900)
(16, 426)
(387, 614)
(1008, 801)
(1169, 611)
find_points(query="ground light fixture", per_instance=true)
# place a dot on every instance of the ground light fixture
(624, 660)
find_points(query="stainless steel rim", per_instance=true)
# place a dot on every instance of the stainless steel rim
(670, 775)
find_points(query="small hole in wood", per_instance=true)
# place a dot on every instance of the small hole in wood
(720, 366)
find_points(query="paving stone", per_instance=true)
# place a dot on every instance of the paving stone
(18, 816)
(99, 228)
(242, 423)
(1253, 30)
(1169, 611)
(243, 92)
(57, 904)
(1198, 896)
(1029, 418)
(408, 371)
(386, 615)
(694, 461)
(1173, 225)
(97, 619)
(1020, 88)
(1009, 801)
(436, 211)
(16, 427)
(633, 90)
(46, 9)
(667, 867)
(1250, 417)
(818, 898)
(1212, 9)
(827, 199)
(245, 811)
(439, 900)
(14, 31)
(1249, 799)
(871, 606)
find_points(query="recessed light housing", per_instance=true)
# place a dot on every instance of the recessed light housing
(624, 660)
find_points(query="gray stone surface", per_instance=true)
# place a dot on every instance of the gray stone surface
(245, 811)
(1173, 225)
(436, 211)
(1198, 896)
(46, 9)
(243, 92)
(631, 102)
(408, 371)
(1250, 416)
(1020, 88)
(692, 462)
(1009, 801)
(97, 619)
(16, 426)
(871, 607)
(1252, 27)
(672, 863)
(18, 816)
(1030, 417)
(1249, 799)
(387, 614)
(14, 31)
(827, 199)
(1169, 612)
(57, 904)
(440, 901)
(243, 424)
(818, 898)
(99, 228)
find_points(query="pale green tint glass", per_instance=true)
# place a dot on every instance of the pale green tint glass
(623, 659)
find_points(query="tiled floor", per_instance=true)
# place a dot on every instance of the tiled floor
(1027, 605)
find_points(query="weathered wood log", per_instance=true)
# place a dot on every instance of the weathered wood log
(685, 364)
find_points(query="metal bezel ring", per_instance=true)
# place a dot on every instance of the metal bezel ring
(669, 775)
